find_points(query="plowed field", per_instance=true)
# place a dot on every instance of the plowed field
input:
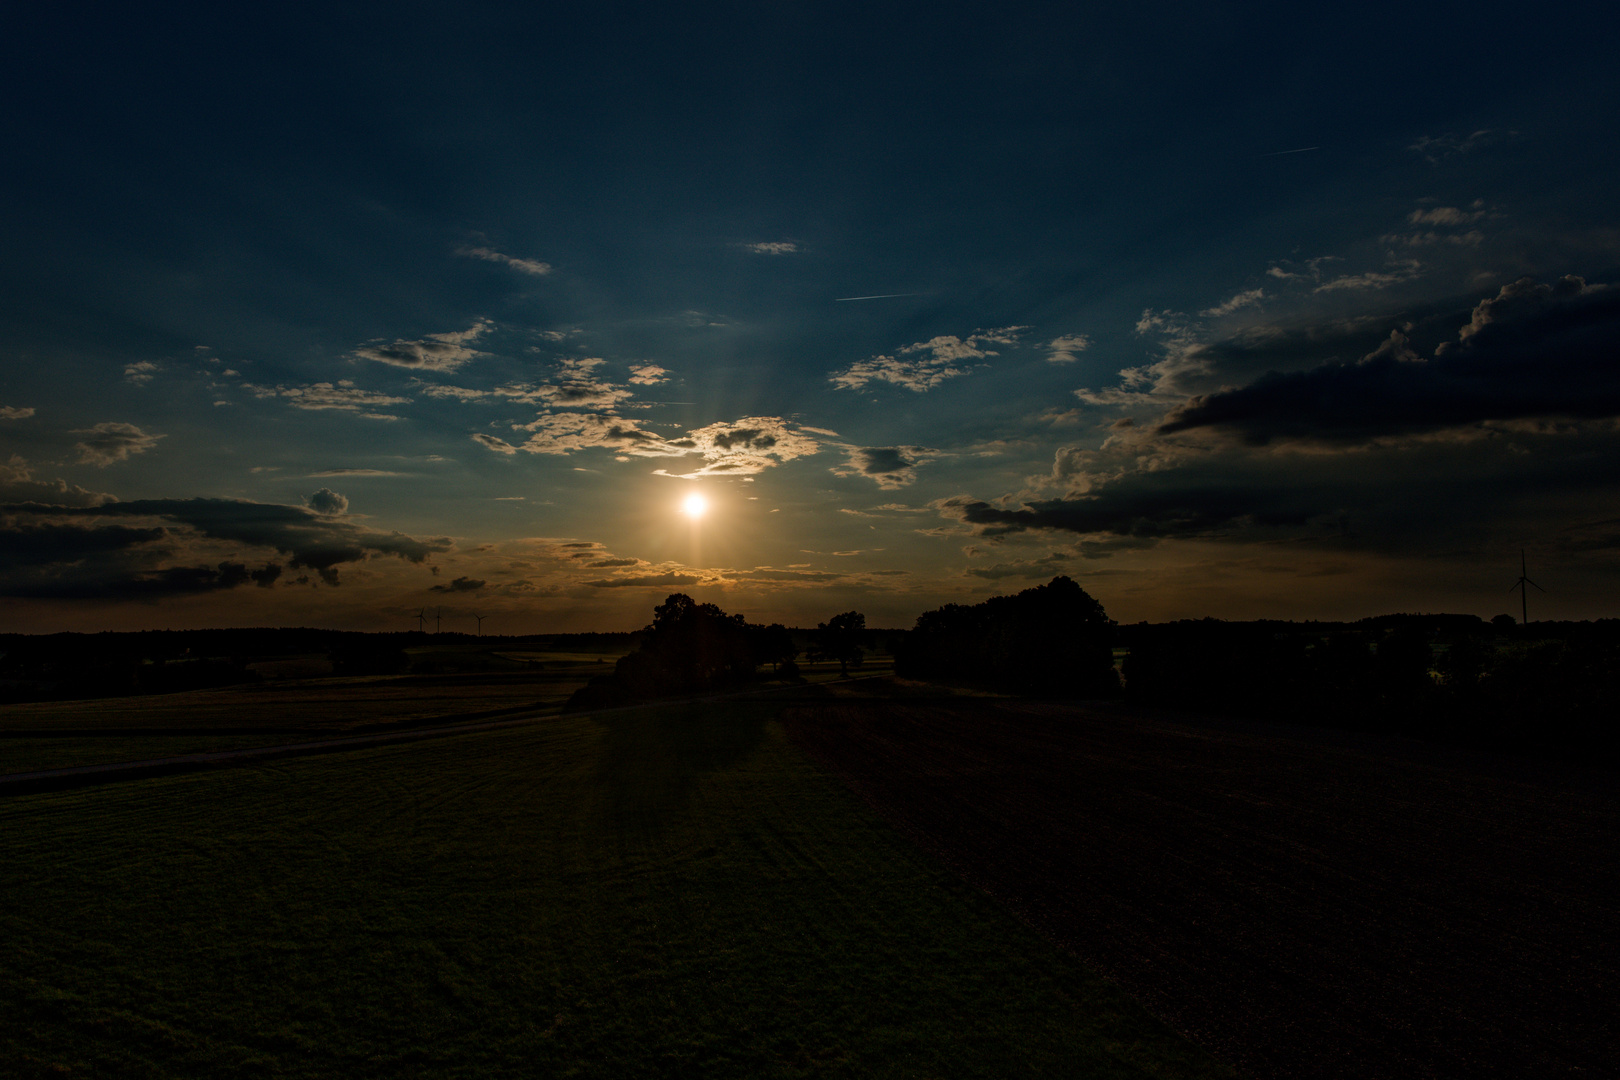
(1300, 908)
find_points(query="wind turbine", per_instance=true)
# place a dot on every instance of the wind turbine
(438, 617)
(480, 619)
(421, 620)
(1524, 593)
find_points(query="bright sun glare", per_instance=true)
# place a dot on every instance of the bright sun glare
(695, 506)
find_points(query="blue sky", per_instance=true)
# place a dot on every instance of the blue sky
(320, 315)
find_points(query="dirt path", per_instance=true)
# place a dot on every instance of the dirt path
(1303, 910)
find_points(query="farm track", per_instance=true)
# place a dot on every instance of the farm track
(1300, 909)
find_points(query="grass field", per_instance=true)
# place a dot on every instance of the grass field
(673, 891)
(64, 734)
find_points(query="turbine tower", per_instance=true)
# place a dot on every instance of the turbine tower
(480, 619)
(421, 620)
(1524, 593)
(438, 617)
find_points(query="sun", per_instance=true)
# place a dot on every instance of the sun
(695, 506)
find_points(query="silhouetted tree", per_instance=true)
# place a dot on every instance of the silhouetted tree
(689, 647)
(1051, 639)
(842, 638)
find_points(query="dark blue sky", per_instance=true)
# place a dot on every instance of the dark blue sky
(498, 280)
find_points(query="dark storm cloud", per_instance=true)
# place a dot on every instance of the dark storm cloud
(1532, 351)
(148, 584)
(461, 584)
(1195, 509)
(310, 540)
(327, 501)
(26, 543)
(609, 564)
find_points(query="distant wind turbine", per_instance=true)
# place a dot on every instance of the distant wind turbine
(438, 617)
(1524, 594)
(421, 620)
(480, 619)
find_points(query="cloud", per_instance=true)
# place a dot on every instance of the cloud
(460, 584)
(527, 266)
(748, 446)
(892, 467)
(1249, 298)
(143, 585)
(564, 433)
(1437, 148)
(436, 352)
(351, 472)
(112, 442)
(1400, 271)
(327, 501)
(313, 541)
(923, 365)
(1151, 511)
(18, 485)
(661, 581)
(1533, 350)
(342, 396)
(12, 412)
(648, 374)
(490, 442)
(458, 393)
(773, 247)
(1444, 215)
(1044, 567)
(1066, 349)
(141, 372)
(575, 387)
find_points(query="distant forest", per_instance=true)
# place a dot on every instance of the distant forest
(1546, 688)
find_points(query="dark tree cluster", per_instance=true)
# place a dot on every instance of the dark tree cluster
(690, 648)
(1054, 639)
(1545, 689)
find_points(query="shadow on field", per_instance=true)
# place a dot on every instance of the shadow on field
(653, 758)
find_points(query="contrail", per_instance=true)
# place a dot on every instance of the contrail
(1301, 150)
(883, 296)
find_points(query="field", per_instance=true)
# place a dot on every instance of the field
(670, 891)
(1303, 904)
(449, 684)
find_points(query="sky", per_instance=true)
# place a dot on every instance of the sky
(326, 315)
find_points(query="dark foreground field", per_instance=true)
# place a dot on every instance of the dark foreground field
(672, 891)
(1302, 909)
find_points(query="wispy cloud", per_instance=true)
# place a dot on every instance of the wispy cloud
(436, 352)
(1399, 271)
(140, 373)
(112, 442)
(923, 365)
(1248, 298)
(342, 396)
(772, 247)
(527, 266)
(1066, 349)
(12, 412)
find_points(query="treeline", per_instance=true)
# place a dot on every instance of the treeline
(691, 648)
(1054, 639)
(1547, 688)
(37, 667)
